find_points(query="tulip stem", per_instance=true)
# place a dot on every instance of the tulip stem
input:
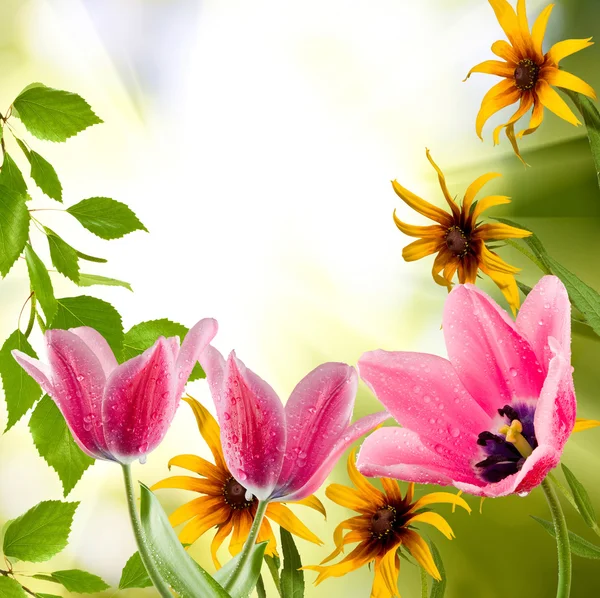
(562, 541)
(140, 538)
(246, 553)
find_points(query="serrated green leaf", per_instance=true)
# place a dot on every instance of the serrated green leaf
(44, 595)
(41, 532)
(88, 280)
(55, 444)
(134, 574)
(64, 257)
(20, 390)
(582, 498)
(90, 311)
(260, 588)
(52, 114)
(579, 546)
(438, 587)
(143, 335)
(40, 282)
(14, 228)
(79, 581)
(43, 577)
(91, 258)
(11, 176)
(105, 217)
(11, 588)
(292, 578)
(45, 177)
(247, 579)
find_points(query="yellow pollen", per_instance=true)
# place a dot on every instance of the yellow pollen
(514, 435)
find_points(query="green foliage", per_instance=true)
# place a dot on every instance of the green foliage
(438, 588)
(54, 442)
(91, 258)
(245, 582)
(79, 581)
(89, 311)
(41, 283)
(105, 217)
(134, 574)
(260, 588)
(52, 114)
(88, 280)
(292, 578)
(581, 497)
(9, 588)
(20, 390)
(579, 546)
(44, 175)
(11, 176)
(14, 228)
(41, 532)
(64, 257)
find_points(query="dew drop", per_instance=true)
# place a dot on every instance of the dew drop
(143, 459)
(513, 372)
(455, 432)
(427, 399)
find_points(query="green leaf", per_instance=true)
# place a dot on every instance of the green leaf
(41, 532)
(134, 574)
(79, 581)
(105, 217)
(91, 258)
(52, 114)
(11, 176)
(45, 177)
(143, 335)
(174, 564)
(579, 546)
(88, 280)
(582, 498)
(246, 581)
(21, 391)
(44, 577)
(292, 579)
(54, 442)
(43, 595)
(11, 588)
(438, 588)
(14, 228)
(41, 283)
(64, 257)
(260, 588)
(89, 311)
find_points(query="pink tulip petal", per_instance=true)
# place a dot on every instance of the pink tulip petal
(400, 453)
(214, 365)
(317, 414)
(253, 433)
(493, 361)
(423, 393)
(546, 312)
(196, 340)
(140, 402)
(78, 379)
(39, 371)
(98, 346)
(352, 434)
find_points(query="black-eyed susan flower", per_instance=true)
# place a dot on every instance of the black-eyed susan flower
(458, 239)
(528, 74)
(384, 526)
(224, 503)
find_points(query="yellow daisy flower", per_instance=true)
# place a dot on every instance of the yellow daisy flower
(527, 72)
(385, 526)
(223, 502)
(459, 239)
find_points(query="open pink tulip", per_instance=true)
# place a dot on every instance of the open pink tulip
(493, 420)
(116, 412)
(277, 453)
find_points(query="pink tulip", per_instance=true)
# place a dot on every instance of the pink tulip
(116, 412)
(277, 453)
(493, 420)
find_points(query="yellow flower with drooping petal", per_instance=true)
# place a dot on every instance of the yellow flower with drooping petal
(384, 526)
(224, 502)
(528, 74)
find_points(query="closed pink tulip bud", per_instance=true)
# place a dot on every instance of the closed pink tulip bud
(116, 412)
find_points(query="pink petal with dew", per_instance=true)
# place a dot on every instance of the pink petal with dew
(494, 362)
(140, 402)
(253, 432)
(214, 364)
(557, 407)
(423, 393)
(546, 312)
(358, 429)
(98, 346)
(400, 453)
(78, 379)
(316, 414)
(39, 371)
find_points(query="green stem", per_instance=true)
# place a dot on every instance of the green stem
(424, 587)
(140, 538)
(562, 541)
(244, 556)
(31, 316)
(274, 572)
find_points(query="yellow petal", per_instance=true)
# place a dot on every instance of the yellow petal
(346, 497)
(459, 493)
(475, 187)
(281, 515)
(566, 80)
(486, 203)
(507, 285)
(497, 231)
(493, 67)
(585, 424)
(505, 51)
(222, 533)
(359, 524)
(436, 498)
(434, 519)
(265, 534)
(367, 491)
(537, 116)
(360, 556)
(421, 248)
(467, 268)
(442, 259)
(525, 105)
(443, 185)
(510, 133)
(420, 205)
(567, 47)
(554, 102)
(425, 232)
(201, 524)
(501, 95)
(410, 492)
(314, 503)
(523, 24)
(538, 31)
(197, 507)
(510, 24)
(189, 483)
(200, 466)
(392, 490)
(242, 522)
(494, 261)
(386, 573)
(420, 552)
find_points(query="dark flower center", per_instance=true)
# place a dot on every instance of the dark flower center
(457, 241)
(526, 74)
(502, 457)
(235, 495)
(383, 521)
